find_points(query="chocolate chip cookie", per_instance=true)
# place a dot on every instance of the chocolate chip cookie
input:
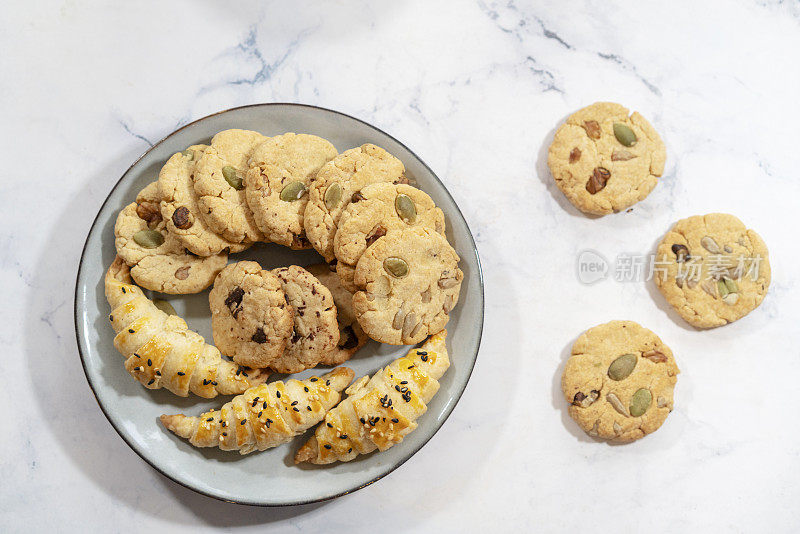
(378, 209)
(281, 170)
(158, 261)
(604, 159)
(316, 331)
(335, 186)
(619, 381)
(179, 206)
(408, 282)
(712, 269)
(219, 184)
(250, 316)
(351, 336)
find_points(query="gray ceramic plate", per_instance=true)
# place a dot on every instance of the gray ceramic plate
(266, 478)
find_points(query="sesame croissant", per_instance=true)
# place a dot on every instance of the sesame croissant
(264, 416)
(380, 411)
(160, 349)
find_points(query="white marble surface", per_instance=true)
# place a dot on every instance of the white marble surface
(476, 89)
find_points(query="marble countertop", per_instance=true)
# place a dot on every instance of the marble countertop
(476, 89)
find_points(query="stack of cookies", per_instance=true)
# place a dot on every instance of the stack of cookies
(389, 272)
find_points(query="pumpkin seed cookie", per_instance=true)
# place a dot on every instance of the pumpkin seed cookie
(619, 381)
(250, 317)
(179, 206)
(604, 160)
(351, 336)
(336, 183)
(378, 209)
(409, 282)
(219, 184)
(281, 170)
(157, 259)
(316, 332)
(712, 269)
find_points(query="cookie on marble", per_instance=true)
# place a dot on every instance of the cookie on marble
(351, 336)
(408, 283)
(619, 381)
(158, 261)
(219, 184)
(316, 331)
(605, 159)
(336, 183)
(276, 186)
(179, 206)
(712, 269)
(250, 317)
(378, 209)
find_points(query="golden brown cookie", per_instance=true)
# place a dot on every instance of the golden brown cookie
(158, 261)
(281, 171)
(712, 269)
(336, 184)
(619, 381)
(219, 184)
(351, 336)
(408, 282)
(605, 159)
(250, 317)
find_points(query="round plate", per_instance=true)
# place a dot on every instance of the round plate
(267, 478)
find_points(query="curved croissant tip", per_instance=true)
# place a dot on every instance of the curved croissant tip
(168, 421)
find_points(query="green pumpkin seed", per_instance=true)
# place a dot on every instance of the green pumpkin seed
(148, 238)
(232, 177)
(722, 288)
(188, 153)
(624, 134)
(333, 195)
(622, 367)
(640, 402)
(165, 306)
(405, 208)
(396, 267)
(293, 191)
(732, 286)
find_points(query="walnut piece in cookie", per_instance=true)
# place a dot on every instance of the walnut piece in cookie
(276, 186)
(157, 260)
(605, 159)
(619, 381)
(351, 336)
(338, 183)
(714, 270)
(250, 316)
(316, 331)
(409, 282)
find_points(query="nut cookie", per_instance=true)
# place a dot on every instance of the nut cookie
(316, 331)
(179, 206)
(712, 269)
(219, 184)
(250, 317)
(281, 170)
(157, 259)
(351, 336)
(619, 381)
(409, 282)
(336, 183)
(378, 209)
(605, 160)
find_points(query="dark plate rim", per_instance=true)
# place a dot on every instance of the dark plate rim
(448, 411)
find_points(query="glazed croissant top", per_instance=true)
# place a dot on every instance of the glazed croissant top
(380, 411)
(160, 349)
(264, 416)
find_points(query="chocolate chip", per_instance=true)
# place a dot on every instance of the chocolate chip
(234, 301)
(181, 218)
(347, 338)
(259, 337)
(357, 196)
